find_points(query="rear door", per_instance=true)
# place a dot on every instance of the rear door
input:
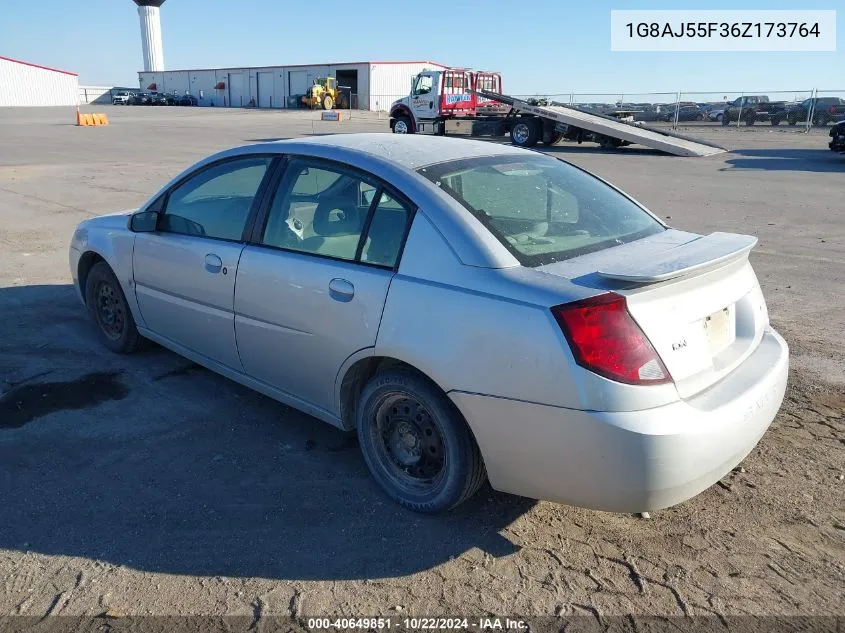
(311, 289)
(185, 272)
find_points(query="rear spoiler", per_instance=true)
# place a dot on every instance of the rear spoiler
(705, 252)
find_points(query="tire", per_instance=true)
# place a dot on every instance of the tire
(822, 120)
(328, 102)
(751, 120)
(700, 117)
(402, 125)
(791, 120)
(555, 139)
(416, 444)
(775, 121)
(525, 132)
(725, 119)
(109, 311)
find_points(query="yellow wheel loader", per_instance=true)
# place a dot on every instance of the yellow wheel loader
(325, 94)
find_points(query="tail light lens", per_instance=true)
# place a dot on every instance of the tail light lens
(605, 339)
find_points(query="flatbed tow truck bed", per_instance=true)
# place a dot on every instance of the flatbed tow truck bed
(572, 117)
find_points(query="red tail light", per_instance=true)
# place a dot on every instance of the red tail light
(606, 340)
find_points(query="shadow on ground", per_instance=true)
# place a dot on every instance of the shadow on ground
(782, 159)
(171, 468)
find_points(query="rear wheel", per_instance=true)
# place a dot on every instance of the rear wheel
(402, 125)
(555, 139)
(108, 309)
(415, 443)
(822, 120)
(525, 132)
(751, 120)
(775, 121)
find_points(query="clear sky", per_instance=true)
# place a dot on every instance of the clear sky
(541, 46)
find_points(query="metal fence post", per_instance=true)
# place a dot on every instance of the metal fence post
(814, 93)
(677, 110)
(739, 116)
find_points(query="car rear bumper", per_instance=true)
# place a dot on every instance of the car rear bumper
(630, 461)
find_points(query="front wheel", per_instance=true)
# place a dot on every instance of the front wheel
(108, 309)
(402, 125)
(525, 132)
(775, 121)
(725, 119)
(416, 444)
(328, 102)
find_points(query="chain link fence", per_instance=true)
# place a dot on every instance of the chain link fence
(798, 110)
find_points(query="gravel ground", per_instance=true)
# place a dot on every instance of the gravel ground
(147, 485)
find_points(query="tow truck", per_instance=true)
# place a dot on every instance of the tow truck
(465, 102)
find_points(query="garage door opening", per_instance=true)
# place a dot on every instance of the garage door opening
(347, 80)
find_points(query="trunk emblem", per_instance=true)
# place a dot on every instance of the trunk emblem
(679, 345)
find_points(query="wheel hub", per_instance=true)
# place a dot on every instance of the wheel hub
(400, 127)
(110, 311)
(520, 133)
(411, 441)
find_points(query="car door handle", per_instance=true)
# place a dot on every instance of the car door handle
(213, 263)
(341, 290)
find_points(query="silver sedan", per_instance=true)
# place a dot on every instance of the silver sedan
(472, 310)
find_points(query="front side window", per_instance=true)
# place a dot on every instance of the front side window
(423, 85)
(215, 202)
(324, 210)
(541, 209)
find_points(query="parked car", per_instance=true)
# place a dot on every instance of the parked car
(716, 114)
(837, 137)
(188, 100)
(754, 108)
(171, 98)
(121, 97)
(139, 98)
(157, 98)
(471, 309)
(824, 110)
(687, 112)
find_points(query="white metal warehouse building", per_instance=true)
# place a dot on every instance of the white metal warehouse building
(25, 84)
(376, 84)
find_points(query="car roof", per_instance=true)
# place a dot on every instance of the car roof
(410, 151)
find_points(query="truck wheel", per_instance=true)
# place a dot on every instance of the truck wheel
(725, 119)
(525, 132)
(416, 444)
(751, 120)
(775, 121)
(328, 102)
(555, 139)
(402, 125)
(792, 120)
(822, 120)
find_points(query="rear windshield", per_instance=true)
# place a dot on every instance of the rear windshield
(541, 209)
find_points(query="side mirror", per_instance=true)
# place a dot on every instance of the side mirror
(144, 222)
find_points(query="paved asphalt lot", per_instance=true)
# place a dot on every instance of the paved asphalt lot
(146, 484)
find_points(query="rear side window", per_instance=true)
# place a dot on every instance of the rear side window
(330, 211)
(541, 209)
(216, 201)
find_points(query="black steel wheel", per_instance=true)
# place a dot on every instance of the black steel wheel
(108, 309)
(415, 443)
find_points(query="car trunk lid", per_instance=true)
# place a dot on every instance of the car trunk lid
(696, 299)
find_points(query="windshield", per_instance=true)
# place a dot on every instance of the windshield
(541, 209)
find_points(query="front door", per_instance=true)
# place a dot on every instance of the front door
(424, 96)
(312, 292)
(185, 272)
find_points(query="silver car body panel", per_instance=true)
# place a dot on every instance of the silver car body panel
(194, 308)
(293, 331)
(461, 309)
